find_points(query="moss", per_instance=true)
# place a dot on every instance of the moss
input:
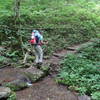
(16, 85)
(12, 96)
(33, 77)
(45, 69)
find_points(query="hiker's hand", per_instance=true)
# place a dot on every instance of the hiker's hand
(45, 42)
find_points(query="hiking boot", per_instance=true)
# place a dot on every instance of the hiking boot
(39, 65)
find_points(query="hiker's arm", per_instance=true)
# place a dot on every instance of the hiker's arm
(44, 42)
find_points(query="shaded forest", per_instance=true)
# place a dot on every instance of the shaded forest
(63, 23)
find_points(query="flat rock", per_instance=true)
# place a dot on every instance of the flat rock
(47, 89)
(58, 55)
(16, 85)
(33, 74)
(84, 97)
(26, 76)
(4, 92)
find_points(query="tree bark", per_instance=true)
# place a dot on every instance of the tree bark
(17, 10)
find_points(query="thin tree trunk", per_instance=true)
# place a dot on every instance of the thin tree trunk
(17, 10)
(17, 22)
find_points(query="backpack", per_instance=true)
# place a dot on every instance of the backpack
(34, 40)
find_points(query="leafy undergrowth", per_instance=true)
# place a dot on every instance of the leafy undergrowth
(12, 96)
(81, 71)
(62, 22)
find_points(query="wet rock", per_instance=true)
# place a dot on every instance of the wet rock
(33, 74)
(84, 97)
(4, 92)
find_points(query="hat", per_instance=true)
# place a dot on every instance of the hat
(35, 31)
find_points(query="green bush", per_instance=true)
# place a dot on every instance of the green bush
(63, 22)
(12, 96)
(81, 72)
(91, 50)
(96, 96)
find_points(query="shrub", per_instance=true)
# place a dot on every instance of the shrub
(62, 22)
(82, 71)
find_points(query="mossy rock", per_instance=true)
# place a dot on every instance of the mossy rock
(2, 50)
(4, 92)
(4, 61)
(46, 57)
(12, 96)
(30, 58)
(33, 74)
(21, 65)
(16, 85)
(45, 69)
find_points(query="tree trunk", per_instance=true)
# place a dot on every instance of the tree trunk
(17, 10)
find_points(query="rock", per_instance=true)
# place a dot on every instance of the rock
(26, 76)
(4, 92)
(16, 85)
(71, 48)
(12, 96)
(2, 49)
(33, 74)
(45, 68)
(84, 97)
(22, 65)
(46, 57)
(58, 55)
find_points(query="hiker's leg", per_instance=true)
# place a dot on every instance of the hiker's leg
(36, 54)
(40, 51)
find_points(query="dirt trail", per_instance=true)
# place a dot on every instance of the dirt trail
(47, 88)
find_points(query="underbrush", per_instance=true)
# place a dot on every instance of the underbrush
(62, 23)
(81, 71)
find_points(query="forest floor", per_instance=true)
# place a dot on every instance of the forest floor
(47, 88)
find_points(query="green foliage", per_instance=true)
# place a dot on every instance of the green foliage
(82, 71)
(63, 22)
(4, 61)
(6, 7)
(12, 96)
(91, 50)
(96, 95)
(2, 58)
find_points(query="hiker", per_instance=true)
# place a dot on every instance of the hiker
(37, 42)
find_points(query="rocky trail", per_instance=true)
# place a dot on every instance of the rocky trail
(46, 88)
